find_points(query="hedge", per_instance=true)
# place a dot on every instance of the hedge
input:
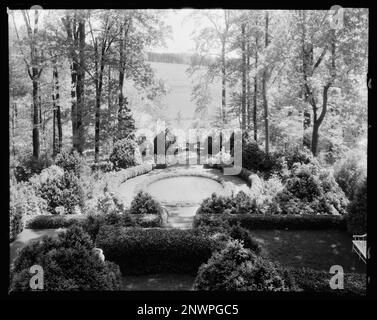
(143, 251)
(52, 222)
(87, 221)
(293, 222)
(314, 281)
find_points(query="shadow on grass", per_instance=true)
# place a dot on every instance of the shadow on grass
(314, 249)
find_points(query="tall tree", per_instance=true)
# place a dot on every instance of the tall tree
(74, 23)
(34, 66)
(264, 88)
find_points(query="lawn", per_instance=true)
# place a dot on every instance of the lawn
(317, 250)
(158, 282)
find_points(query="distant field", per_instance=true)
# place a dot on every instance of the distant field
(179, 96)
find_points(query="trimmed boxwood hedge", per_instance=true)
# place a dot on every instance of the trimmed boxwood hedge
(143, 251)
(293, 222)
(52, 222)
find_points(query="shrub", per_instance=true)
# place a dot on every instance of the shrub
(358, 210)
(239, 233)
(298, 155)
(70, 162)
(241, 203)
(51, 222)
(310, 190)
(264, 191)
(252, 156)
(26, 166)
(125, 154)
(143, 251)
(268, 221)
(332, 151)
(350, 171)
(143, 203)
(25, 193)
(135, 171)
(238, 269)
(59, 188)
(16, 214)
(69, 263)
(109, 203)
(104, 166)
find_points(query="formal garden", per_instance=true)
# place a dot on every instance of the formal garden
(120, 150)
(278, 226)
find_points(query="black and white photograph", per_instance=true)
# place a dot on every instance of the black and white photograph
(188, 149)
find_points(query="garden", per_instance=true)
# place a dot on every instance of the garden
(279, 226)
(120, 151)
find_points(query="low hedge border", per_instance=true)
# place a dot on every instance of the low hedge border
(53, 221)
(280, 222)
(155, 250)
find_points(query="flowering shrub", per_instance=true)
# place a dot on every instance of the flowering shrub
(264, 191)
(125, 154)
(58, 188)
(311, 190)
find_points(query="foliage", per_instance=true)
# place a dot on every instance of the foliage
(310, 190)
(276, 221)
(109, 203)
(59, 188)
(143, 203)
(52, 222)
(358, 210)
(350, 171)
(241, 203)
(26, 166)
(70, 162)
(104, 166)
(69, 263)
(125, 154)
(239, 233)
(264, 191)
(16, 214)
(238, 269)
(143, 251)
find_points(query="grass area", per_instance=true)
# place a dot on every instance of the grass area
(316, 249)
(158, 282)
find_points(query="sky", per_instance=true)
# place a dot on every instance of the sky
(182, 28)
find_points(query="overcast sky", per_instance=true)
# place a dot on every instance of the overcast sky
(182, 27)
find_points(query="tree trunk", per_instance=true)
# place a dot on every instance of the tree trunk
(56, 112)
(223, 83)
(243, 102)
(255, 121)
(248, 106)
(80, 91)
(98, 103)
(264, 92)
(36, 118)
